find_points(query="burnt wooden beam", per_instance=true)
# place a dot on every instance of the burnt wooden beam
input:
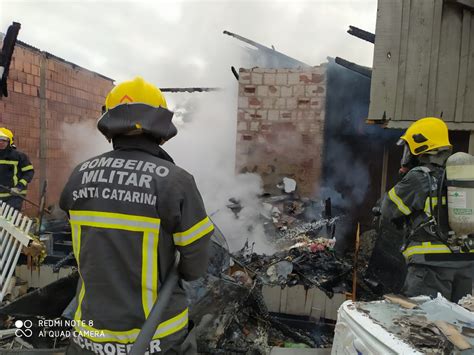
(267, 50)
(236, 74)
(367, 72)
(6, 54)
(362, 34)
(191, 89)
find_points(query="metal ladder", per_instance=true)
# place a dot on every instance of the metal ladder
(14, 228)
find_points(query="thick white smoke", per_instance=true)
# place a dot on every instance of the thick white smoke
(205, 147)
(180, 43)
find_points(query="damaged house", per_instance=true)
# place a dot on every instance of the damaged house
(304, 130)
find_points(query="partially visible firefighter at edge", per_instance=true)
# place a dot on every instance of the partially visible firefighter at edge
(435, 264)
(16, 171)
(131, 211)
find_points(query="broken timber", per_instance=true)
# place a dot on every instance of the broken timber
(362, 34)
(367, 72)
(400, 300)
(191, 89)
(14, 229)
(453, 335)
(269, 51)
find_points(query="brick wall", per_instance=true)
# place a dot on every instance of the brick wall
(44, 93)
(280, 125)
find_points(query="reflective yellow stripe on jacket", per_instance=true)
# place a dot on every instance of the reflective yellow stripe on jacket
(27, 168)
(7, 194)
(166, 328)
(398, 202)
(150, 228)
(194, 233)
(434, 204)
(427, 248)
(15, 169)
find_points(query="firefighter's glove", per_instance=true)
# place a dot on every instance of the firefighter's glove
(377, 211)
(15, 190)
(34, 249)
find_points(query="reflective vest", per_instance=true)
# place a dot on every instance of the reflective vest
(417, 202)
(16, 170)
(130, 212)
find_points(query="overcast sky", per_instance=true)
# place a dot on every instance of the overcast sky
(180, 43)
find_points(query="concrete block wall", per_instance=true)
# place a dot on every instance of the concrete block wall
(45, 92)
(280, 125)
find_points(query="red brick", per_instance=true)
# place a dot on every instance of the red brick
(22, 77)
(30, 79)
(303, 102)
(35, 70)
(254, 102)
(17, 86)
(317, 78)
(305, 79)
(21, 111)
(27, 67)
(249, 89)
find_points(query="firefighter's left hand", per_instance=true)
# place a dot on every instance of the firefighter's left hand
(15, 190)
(34, 249)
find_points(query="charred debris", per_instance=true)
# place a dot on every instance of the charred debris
(230, 311)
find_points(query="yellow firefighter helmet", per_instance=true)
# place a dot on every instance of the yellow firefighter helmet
(135, 91)
(427, 134)
(5, 132)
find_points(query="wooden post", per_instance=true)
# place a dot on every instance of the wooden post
(43, 134)
(356, 256)
(383, 183)
(471, 143)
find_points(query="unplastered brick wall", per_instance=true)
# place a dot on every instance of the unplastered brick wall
(280, 125)
(45, 93)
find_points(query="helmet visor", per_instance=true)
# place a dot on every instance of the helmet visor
(407, 156)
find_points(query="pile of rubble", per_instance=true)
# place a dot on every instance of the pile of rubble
(232, 318)
(309, 262)
(467, 302)
(31, 310)
(229, 308)
(229, 311)
(303, 231)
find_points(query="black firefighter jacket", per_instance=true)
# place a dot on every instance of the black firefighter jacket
(413, 200)
(15, 171)
(130, 210)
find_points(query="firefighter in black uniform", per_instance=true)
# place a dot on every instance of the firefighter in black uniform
(16, 171)
(418, 202)
(131, 210)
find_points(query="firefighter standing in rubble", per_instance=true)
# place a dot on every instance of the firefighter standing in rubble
(131, 210)
(16, 171)
(433, 264)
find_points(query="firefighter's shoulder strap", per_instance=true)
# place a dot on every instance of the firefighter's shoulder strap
(423, 169)
(431, 224)
(427, 218)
